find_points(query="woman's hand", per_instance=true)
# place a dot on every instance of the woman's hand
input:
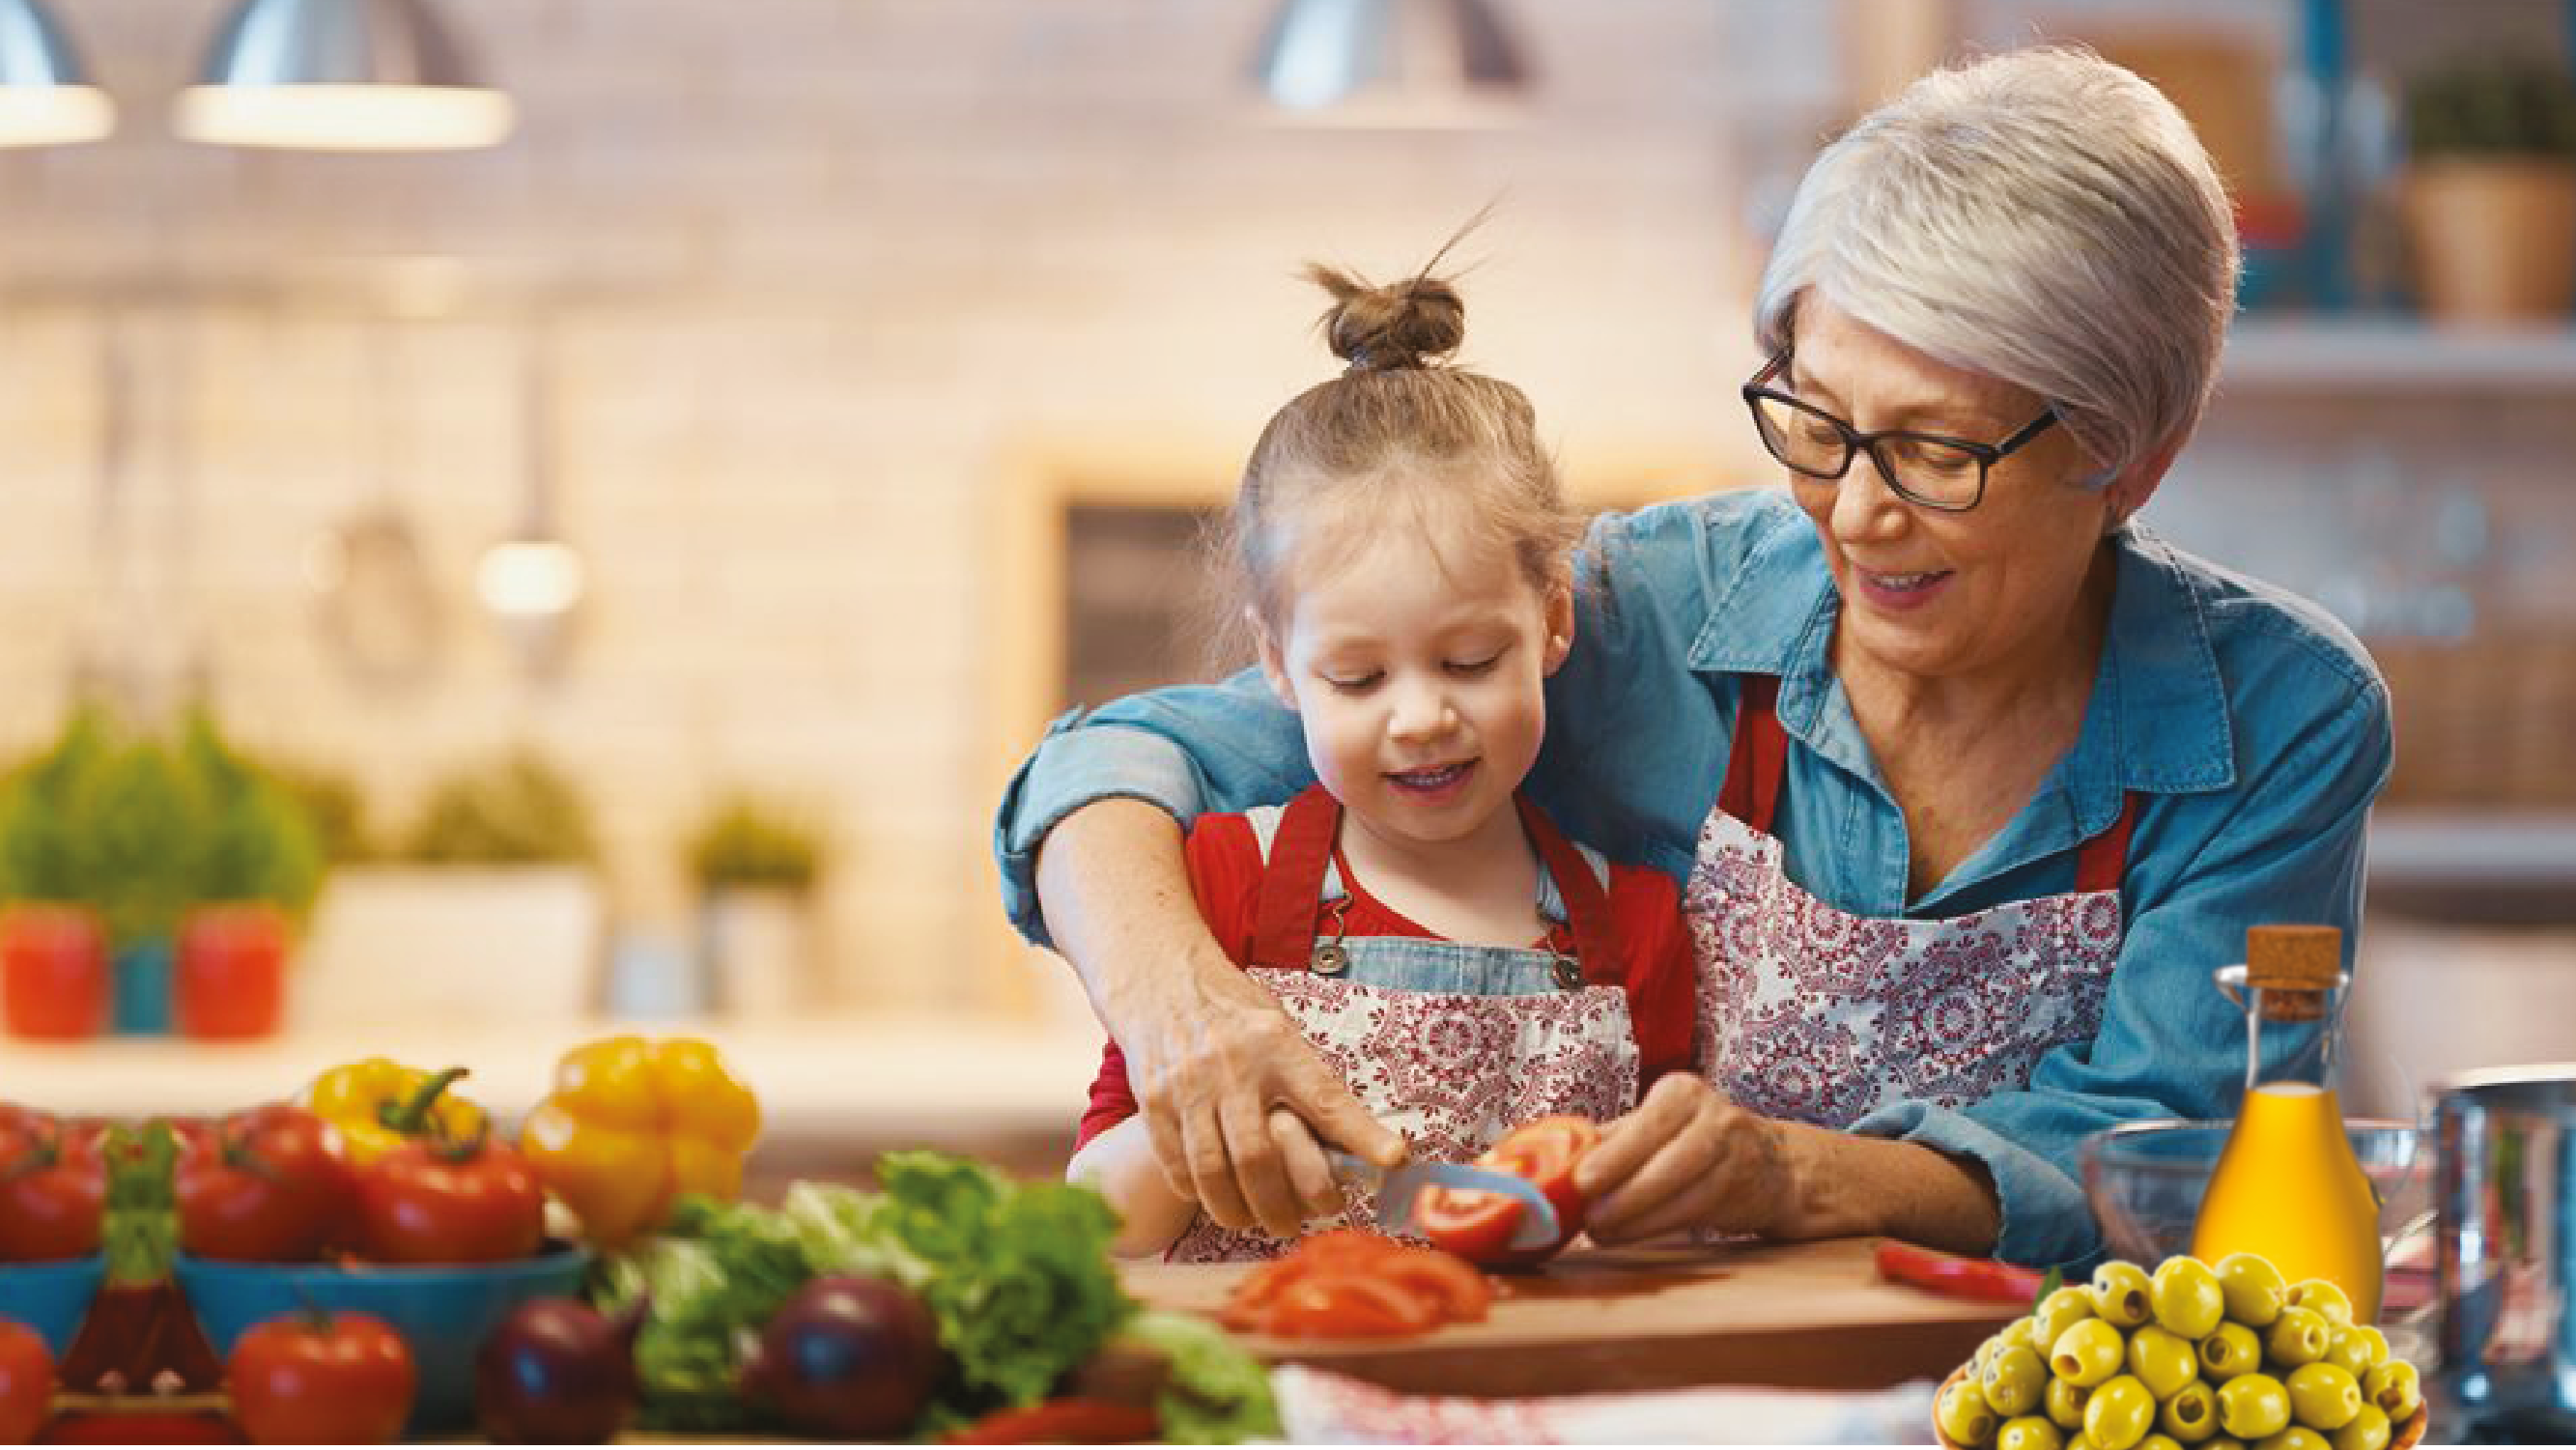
(1236, 1099)
(1687, 1158)
(1233, 1095)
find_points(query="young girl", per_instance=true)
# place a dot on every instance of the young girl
(1405, 549)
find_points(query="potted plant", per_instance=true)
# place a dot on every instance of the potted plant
(755, 865)
(2489, 193)
(182, 864)
(487, 904)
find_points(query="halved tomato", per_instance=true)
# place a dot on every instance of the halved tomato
(1478, 1227)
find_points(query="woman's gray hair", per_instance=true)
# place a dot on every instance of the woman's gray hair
(2044, 217)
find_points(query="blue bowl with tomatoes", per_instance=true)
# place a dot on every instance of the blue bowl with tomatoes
(51, 1297)
(443, 1311)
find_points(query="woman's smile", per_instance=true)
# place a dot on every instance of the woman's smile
(1900, 591)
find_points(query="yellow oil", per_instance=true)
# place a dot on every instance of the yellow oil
(2288, 1187)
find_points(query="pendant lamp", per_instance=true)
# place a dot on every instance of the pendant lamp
(340, 75)
(1392, 63)
(45, 95)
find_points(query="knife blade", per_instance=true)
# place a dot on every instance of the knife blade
(1399, 1193)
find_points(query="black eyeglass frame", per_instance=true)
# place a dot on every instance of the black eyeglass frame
(1854, 441)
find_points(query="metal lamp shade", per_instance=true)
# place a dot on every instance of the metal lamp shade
(45, 95)
(340, 75)
(1398, 63)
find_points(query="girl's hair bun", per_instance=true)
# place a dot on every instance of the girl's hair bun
(1406, 324)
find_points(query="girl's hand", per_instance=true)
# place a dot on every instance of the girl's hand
(1686, 1158)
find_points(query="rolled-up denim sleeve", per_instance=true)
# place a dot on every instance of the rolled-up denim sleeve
(1186, 750)
(2286, 845)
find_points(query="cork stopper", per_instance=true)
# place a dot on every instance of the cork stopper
(2294, 967)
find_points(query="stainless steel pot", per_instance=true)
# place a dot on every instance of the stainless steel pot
(2506, 1200)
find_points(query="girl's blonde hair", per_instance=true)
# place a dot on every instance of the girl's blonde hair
(1400, 436)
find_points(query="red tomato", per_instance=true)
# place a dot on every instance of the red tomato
(229, 977)
(53, 1188)
(316, 1379)
(429, 1202)
(1478, 1227)
(26, 1382)
(270, 1185)
(1064, 1422)
(1449, 1282)
(1352, 1303)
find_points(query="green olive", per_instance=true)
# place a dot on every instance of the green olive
(2162, 1360)
(2222, 1442)
(2254, 1290)
(2029, 1432)
(2191, 1414)
(2158, 1442)
(2230, 1352)
(2058, 1313)
(2294, 1437)
(2014, 1380)
(2088, 1353)
(2298, 1337)
(2019, 1332)
(2368, 1431)
(1964, 1416)
(2252, 1406)
(2120, 1413)
(2323, 1396)
(2078, 1441)
(2393, 1387)
(2120, 1294)
(2324, 1296)
(2186, 1297)
(2358, 1348)
(2063, 1402)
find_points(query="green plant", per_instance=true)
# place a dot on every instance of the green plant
(515, 811)
(746, 842)
(2495, 106)
(143, 829)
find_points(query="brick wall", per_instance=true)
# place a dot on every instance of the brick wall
(810, 271)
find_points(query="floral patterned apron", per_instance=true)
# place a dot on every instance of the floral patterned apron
(1815, 1015)
(1449, 1044)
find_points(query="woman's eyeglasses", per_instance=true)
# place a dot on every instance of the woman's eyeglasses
(1929, 469)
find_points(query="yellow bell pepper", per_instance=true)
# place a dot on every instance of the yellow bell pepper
(633, 1124)
(368, 1102)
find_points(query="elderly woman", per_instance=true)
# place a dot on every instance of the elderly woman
(1971, 779)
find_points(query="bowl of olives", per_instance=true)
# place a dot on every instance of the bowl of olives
(2191, 1354)
(2144, 1181)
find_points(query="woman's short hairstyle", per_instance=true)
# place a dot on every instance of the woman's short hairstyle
(2044, 217)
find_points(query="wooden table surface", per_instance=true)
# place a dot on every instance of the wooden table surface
(1807, 1316)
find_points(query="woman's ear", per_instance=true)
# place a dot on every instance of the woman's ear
(1560, 624)
(2129, 490)
(1274, 665)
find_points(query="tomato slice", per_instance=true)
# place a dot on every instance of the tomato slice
(1351, 1304)
(1478, 1227)
(1452, 1283)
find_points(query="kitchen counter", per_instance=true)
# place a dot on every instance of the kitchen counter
(822, 1080)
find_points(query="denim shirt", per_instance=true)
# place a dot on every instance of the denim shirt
(2252, 727)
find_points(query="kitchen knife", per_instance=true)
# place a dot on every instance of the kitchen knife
(1399, 1193)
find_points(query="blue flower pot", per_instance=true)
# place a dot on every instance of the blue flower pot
(142, 988)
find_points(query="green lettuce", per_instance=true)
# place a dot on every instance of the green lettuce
(1217, 1394)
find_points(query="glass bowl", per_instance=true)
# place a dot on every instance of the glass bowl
(2144, 1180)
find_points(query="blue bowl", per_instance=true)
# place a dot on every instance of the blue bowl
(52, 1297)
(443, 1311)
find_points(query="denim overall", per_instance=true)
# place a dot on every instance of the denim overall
(1449, 1044)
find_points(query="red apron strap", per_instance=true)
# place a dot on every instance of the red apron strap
(1759, 757)
(1292, 881)
(2100, 862)
(1587, 906)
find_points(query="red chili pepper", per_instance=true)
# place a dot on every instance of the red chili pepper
(1064, 1422)
(1988, 1281)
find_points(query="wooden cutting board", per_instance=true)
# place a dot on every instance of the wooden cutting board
(1807, 1316)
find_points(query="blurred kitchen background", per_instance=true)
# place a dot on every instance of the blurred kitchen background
(607, 575)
